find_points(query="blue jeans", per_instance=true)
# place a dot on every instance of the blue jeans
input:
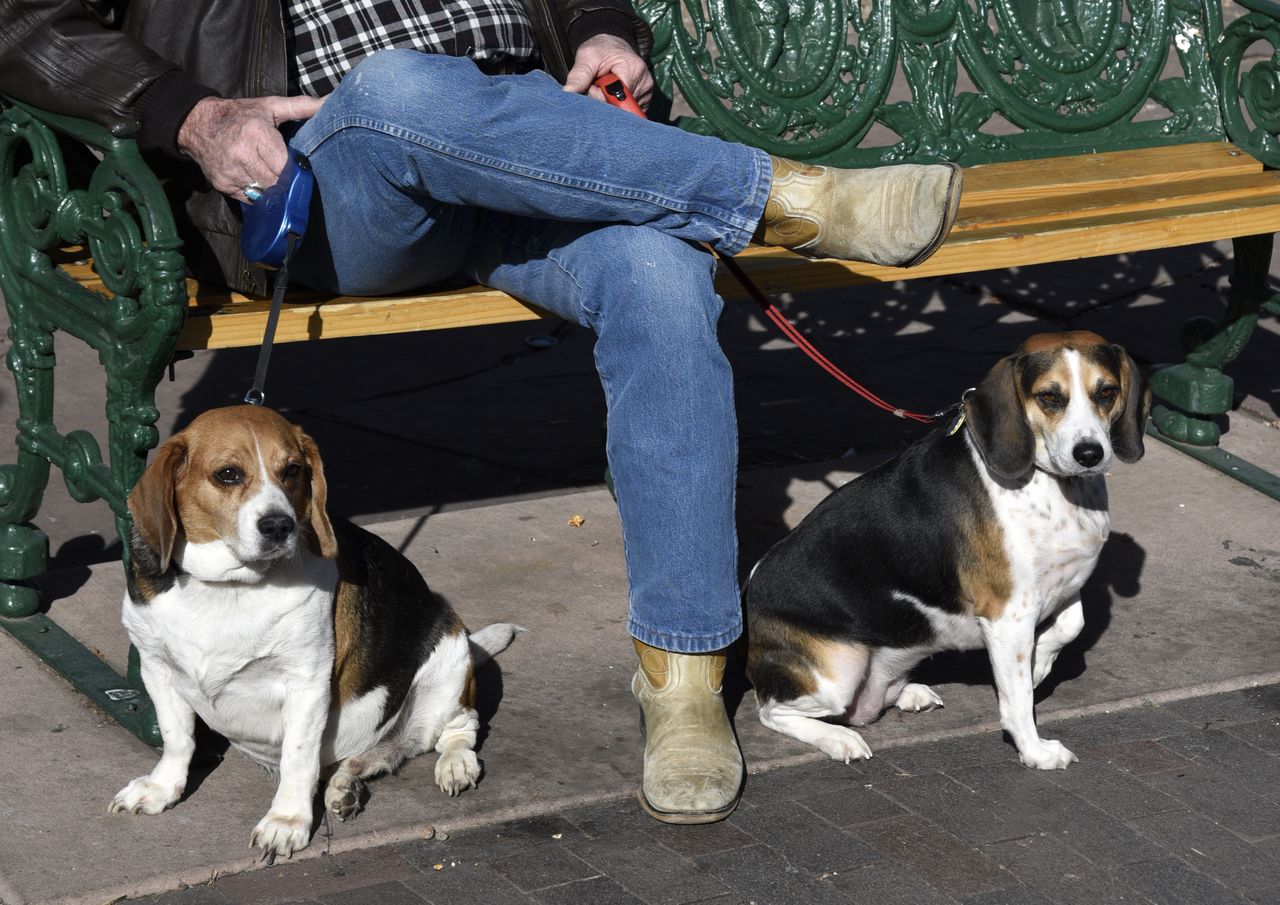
(428, 169)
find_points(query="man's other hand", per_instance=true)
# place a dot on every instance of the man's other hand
(609, 53)
(237, 142)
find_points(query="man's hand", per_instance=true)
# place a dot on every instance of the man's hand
(237, 142)
(609, 53)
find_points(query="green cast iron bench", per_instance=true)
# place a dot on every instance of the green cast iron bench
(1087, 127)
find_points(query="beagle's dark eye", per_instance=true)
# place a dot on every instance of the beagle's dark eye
(291, 471)
(1051, 399)
(228, 475)
(1107, 393)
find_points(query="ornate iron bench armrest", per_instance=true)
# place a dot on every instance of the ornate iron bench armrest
(1251, 97)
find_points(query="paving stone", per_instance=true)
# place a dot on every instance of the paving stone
(956, 808)
(316, 877)
(1139, 724)
(804, 838)
(1098, 836)
(1232, 754)
(1139, 757)
(1229, 708)
(382, 894)
(823, 778)
(1040, 860)
(853, 805)
(610, 819)
(762, 875)
(1170, 882)
(886, 883)
(1263, 734)
(195, 895)
(945, 861)
(1227, 799)
(543, 866)
(692, 841)
(1007, 897)
(990, 747)
(466, 884)
(1213, 850)
(598, 891)
(487, 843)
(653, 872)
(1122, 796)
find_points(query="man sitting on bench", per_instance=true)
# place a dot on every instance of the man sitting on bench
(442, 148)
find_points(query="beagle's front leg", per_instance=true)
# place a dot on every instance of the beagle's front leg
(1010, 640)
(1061, 630)
(287, 826)
(168, 780)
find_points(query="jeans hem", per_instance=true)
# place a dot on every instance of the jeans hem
(740, 237)
(684, 643)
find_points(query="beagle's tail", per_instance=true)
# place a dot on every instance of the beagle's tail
(492, 640)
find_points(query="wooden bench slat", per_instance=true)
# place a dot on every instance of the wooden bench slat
(1012, 214)
(1161, 198)
(1057, 176)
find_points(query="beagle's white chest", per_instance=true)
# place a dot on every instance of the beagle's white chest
(1054, 530)
(233, 651)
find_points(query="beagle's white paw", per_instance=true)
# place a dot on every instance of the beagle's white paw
(142, 796)
(1048, 755)
(281, 834)
(915, 698)
(457, 770)
(842, 743)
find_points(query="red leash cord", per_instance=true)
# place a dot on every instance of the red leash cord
(789, 330)
(617, 94)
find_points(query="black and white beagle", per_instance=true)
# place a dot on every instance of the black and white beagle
(306, 641)
(982, 533)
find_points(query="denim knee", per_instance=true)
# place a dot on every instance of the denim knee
(386, 83)
(654, 285)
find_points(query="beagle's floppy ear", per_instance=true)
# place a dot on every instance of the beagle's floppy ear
(997, 422)
(1129, 428)
(154, 508)
(322, 540)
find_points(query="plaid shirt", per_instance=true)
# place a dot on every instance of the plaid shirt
(330, 36)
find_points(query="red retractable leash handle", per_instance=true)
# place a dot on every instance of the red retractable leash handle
(619, 95)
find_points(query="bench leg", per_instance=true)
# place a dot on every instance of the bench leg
(24, 549)
(1197, 390)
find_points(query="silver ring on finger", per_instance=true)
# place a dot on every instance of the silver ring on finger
(253, 191)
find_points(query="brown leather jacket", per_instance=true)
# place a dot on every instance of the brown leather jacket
(138, 66)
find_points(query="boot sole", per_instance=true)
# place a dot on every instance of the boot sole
(954, 188)
(687, 818)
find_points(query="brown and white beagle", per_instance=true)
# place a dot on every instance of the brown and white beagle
(980, 534)
(306, 641)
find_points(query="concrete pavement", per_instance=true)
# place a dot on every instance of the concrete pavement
(471, 450)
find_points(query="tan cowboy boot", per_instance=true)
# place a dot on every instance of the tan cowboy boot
(896, 215)
(692, 765)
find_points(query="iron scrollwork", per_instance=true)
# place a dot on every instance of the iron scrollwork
(981, 80)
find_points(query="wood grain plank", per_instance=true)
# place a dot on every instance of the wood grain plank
(1027, 179)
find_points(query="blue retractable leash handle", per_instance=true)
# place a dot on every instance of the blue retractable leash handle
(274, 224)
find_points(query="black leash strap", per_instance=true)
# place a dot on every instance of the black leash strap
(256, 396)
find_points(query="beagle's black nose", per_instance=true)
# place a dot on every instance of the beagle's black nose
(276, 527)
(1087, 454)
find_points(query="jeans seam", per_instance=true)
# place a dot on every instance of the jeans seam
(740, 224)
